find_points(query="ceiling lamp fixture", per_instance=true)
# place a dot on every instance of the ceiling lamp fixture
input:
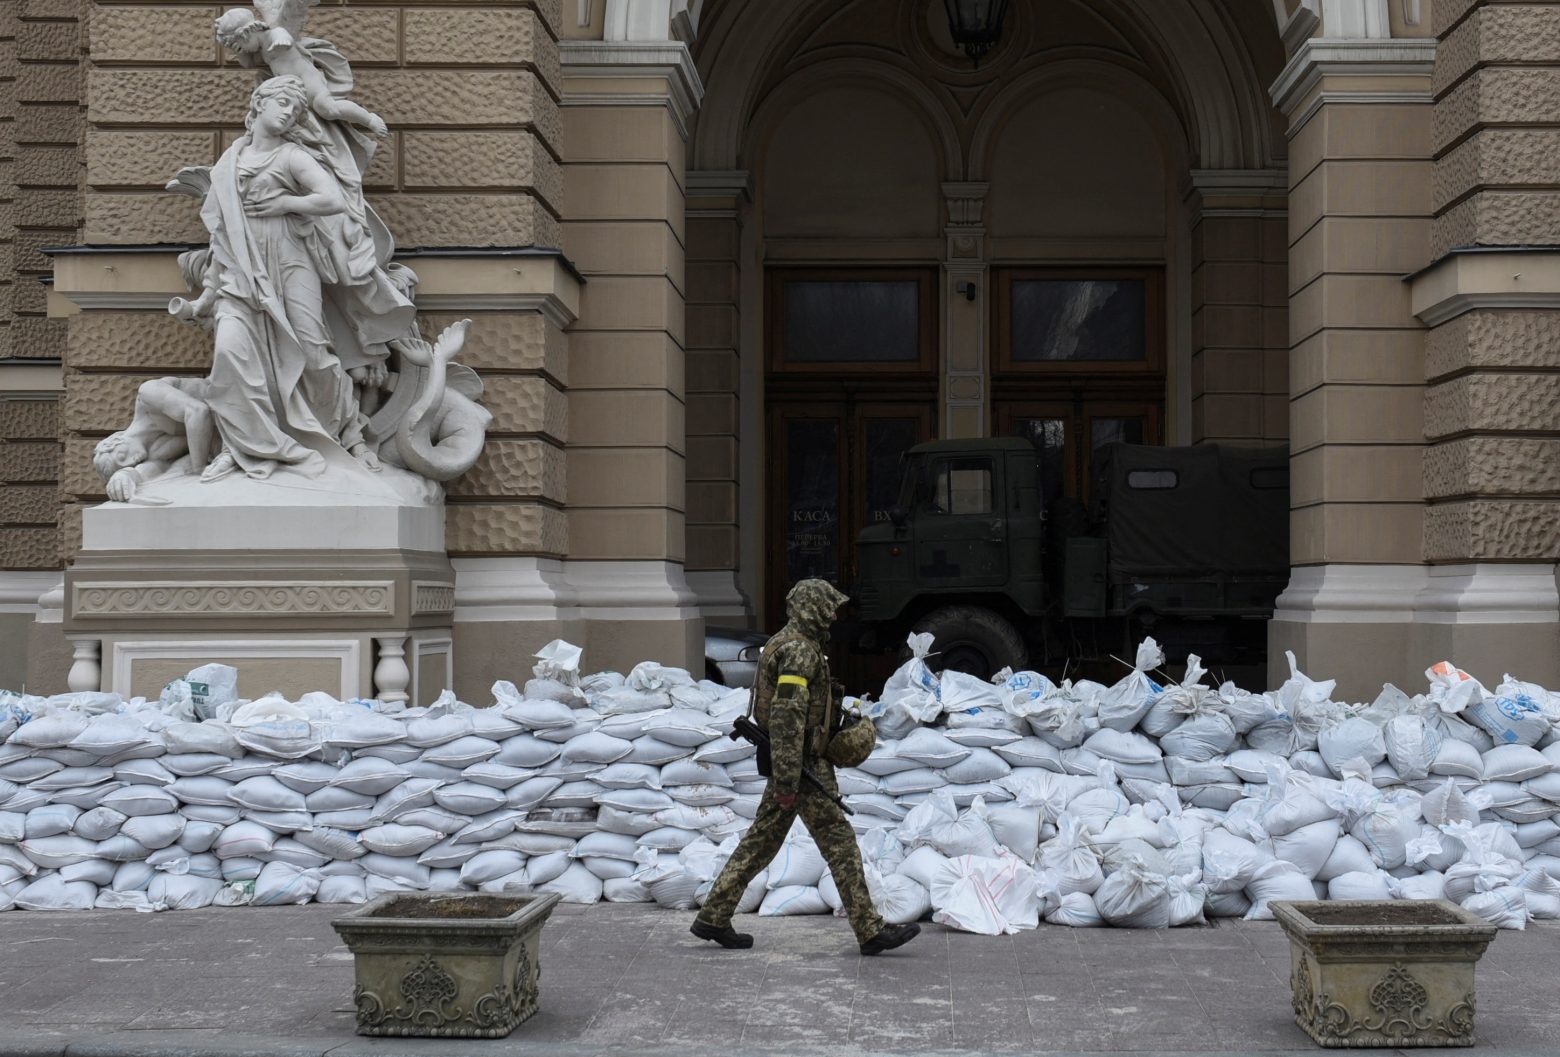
(976, 25)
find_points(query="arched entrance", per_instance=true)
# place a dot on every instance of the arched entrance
(1080, 240)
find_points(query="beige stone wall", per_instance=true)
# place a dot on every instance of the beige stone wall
(625, 229)
(714, 392)
(1493, 373)
(1239, 374)
(1359, 220)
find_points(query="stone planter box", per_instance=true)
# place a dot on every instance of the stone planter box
(1384, 973)
(449, 965)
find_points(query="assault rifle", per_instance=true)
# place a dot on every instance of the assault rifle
(747, 730)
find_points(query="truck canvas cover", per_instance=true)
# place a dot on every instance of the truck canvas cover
(1180, 512)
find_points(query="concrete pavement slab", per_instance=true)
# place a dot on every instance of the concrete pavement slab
(275, 982)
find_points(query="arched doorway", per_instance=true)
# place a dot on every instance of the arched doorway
(1080, 240)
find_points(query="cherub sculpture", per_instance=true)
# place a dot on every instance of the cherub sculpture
(274, 39)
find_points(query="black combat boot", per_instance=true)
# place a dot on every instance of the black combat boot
(890, 937)
(726, 936)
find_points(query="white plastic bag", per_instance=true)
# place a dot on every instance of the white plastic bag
(990, 895)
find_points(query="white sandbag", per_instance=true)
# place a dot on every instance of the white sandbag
(50, 892)
(1348, 856)
(115, 735)
(1514, 763)
(341, 889)
(1504, 908)
(576, 885)
(1070, 860)
(487, 865)
(244, 840)
(1351, 739)
(1094, 808)
(281, 884)
(792, 899)
(395, 839)
(1075, 910)
(725, 750)
(919, 780)
(929, 748)
(1293, 799)
(266, 794)
(283, 739)
(625, 890)
(1413, 745)
(154, 831)
(1134, 897)
(992, 896)
(1016, 827)
(59, 850)
(52, 730)
(798, 864)
(1253, 765)
(1430, 885)
(1367, 884)
(921, 865)
(98, 824)
(1276, 881)
(1122, 746)
(1458, 758)
(1031, 751)
(1230, 862)
(981, 765)
(687, 772)
(461, 752)
(1201, 738)
(141, 800)
(1510, 718)
(1309, 848)
(49, 820)
(1125, 703)
(967, 834)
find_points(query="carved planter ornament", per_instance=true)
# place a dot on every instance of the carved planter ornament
(446, 965)
(1397, 973)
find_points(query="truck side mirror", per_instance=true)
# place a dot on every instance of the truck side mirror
(898, 515)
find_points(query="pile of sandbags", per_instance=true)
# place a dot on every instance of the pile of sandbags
(989, 806)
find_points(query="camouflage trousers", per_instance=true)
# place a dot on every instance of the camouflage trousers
(836, 841)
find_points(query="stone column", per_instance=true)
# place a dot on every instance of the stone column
(966, 355)
(716, 203)
(1359, 207)
(1492, 359)
(1240, 338)
(627, 104)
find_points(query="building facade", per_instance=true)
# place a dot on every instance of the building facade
(727, 259)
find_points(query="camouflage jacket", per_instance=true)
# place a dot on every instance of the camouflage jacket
(791, 703)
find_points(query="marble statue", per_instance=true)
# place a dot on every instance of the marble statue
(319, 369)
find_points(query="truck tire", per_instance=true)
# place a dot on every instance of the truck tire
(972, 640)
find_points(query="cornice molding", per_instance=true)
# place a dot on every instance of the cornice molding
(1321, 57)
(592, 64)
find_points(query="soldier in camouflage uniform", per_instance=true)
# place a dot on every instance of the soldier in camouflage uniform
(792, 701)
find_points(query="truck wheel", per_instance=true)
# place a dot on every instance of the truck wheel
(972, 640)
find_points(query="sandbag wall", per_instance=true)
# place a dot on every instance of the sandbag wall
(989, 805)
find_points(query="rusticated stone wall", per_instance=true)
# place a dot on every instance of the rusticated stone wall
(472, 162)
(1492, 468)
(42, 44)
(29, 497)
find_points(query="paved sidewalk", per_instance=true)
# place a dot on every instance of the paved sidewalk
(631, 980)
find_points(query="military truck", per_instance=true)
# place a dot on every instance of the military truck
(1188, 544)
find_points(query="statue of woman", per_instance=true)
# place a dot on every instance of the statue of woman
(294, 284)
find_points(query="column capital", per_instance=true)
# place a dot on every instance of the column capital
(632, 73)
(718, 192)
(1323, 71)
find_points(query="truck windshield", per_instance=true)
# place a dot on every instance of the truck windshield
(908, 482)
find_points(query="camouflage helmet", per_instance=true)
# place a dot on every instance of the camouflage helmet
(852, 743)
(811, 604)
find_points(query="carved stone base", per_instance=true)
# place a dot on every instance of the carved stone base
(299, 595)
(446, 965)
(1395, 973)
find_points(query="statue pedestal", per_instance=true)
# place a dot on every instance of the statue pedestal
(338, 584)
